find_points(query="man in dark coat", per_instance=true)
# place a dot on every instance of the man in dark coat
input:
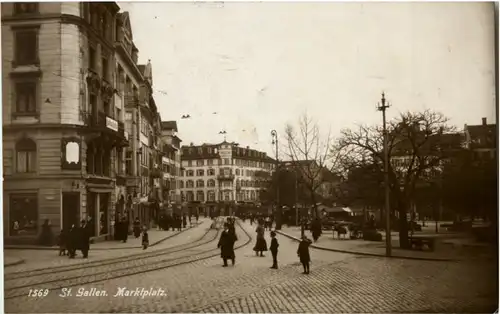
(274, 249)
(226, 245)
(84, 236)
(316, 229)
(72, 244)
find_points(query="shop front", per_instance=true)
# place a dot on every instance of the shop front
(98, 213)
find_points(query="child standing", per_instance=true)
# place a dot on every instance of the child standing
(145, 238)
(303, 253)
(274, 249)
(62, 241)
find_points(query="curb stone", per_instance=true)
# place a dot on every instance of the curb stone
(16, 262)
(370, 254)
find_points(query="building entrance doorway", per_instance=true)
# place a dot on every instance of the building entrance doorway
(70, 209)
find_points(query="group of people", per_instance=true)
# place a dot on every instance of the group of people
(266, 221)
(176, 221)
(76, 238)
(228, 239)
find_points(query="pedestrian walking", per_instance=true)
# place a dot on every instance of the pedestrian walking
(260, 245)
(72, 241)
(137, 227)
(274, 249)
(303, 253)
(84, 238)
(124, 229)
(184, 221)
(46, 235)
(145, 238)
(226, 245)
(316, 229)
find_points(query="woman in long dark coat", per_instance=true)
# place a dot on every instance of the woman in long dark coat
(260, 245)
(46, 235)
(226, 245)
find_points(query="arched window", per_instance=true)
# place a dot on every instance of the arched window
(252, 195)
(189, 173)
(200, 173)
(200, 196)
(189, 196)
(211, 183)
(189, 184)
(237, 172)
(211, 172)
(181, 184)
(26, 155)
(200, 183)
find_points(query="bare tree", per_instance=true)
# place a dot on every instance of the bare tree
(415, 152)
(309, 155)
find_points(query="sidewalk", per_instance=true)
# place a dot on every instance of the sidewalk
(369, 248)
(155, 237)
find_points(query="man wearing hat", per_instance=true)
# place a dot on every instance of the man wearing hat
(84, 238)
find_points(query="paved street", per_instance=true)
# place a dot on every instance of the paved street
(337, 283)
(35, 259)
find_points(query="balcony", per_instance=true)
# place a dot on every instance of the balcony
(156, 173)
(102, 123)
(132, 182)
(225, 177)
(121, 180)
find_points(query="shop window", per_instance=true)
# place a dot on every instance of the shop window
(23, 214)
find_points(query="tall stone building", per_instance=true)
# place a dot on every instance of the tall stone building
(62, 120)
(142, 122)
(218, 177)
(171, 162)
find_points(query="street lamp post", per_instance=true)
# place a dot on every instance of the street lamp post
(274, 136)
(388, 244)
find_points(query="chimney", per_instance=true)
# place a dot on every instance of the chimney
(484, 121)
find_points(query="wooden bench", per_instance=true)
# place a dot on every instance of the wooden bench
(418, 242)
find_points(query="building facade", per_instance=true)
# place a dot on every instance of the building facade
(171, 163)
(217, 177)
(143, 123)
(481, 140)
(63, 129)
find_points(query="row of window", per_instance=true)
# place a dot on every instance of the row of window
(199, 196)
(227, 161)
(211, 183)
(223, 171)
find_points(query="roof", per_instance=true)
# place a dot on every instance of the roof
(482, 136)
(169, 125)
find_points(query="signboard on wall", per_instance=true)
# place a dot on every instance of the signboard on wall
(225, 154)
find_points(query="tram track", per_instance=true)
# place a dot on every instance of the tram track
(108, 261)
(142, 266)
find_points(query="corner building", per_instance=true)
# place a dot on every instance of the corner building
(217, 178)
(63, 130)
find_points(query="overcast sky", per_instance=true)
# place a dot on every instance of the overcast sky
(261, 65)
